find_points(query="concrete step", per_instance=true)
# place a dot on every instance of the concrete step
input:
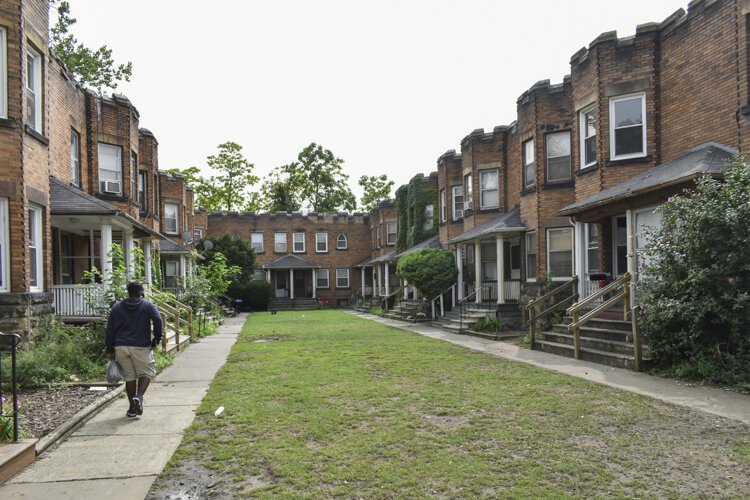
(600, 344)
(588, 354)
(603, 323)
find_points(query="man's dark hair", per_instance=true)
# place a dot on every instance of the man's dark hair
(135, 289)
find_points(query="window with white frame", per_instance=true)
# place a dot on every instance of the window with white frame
(341, 242)
(171, 270)
(489, 261)
(4, 250)
(645, 220)
(321, 278)
(279, 242)
(171, 211)
(198, 234)
(256, 242)
(390, 233)
(134, 177)
(378, 236)
(142, 197)
(468, 189)
(489, 189)
(429, 214)
(627, 126)
(110, 169)
(592, 248)
(298, 242)
(558, 157)
(529, 164)
(588, 136)
(443, 206)
(342, 278)
(560, 252)
(531, 245)
(321, 242)
(458, 202)
(75, 158)
(3, 73)
(36, 266)
(34, 89)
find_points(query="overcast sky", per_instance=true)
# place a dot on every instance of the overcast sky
(388, 86)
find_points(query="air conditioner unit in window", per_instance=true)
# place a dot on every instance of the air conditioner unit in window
(112, 187)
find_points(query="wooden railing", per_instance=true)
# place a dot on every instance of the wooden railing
(392, 295)
(439, 297)
(174, 315)
(539, 310)
(76, 300)
(620, 288)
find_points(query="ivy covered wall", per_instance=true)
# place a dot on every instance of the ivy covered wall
(411, 201)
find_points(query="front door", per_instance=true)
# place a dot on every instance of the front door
(620, 243)
(281, 285)
(300, 288)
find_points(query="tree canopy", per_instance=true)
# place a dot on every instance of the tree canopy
(278, 194)
(376, 189)
(429, 269)
(94, 69)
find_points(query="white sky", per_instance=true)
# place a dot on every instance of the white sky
(386, 85)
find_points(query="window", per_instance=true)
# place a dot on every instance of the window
(75, 158)
(558, 157)
(342, 278)
(256, 241)
(142, 176)
(4, 237)
(198, 234)
(170, 273)
(531, 256)
(592, 248)
(489, 192)
(588, 137)
(458, 202)
(341, 243)
(443, 207)
(378, 235)
(489, 261)
(298, 242)
(646, 220)
(321, 242)
(170, 218)
(110, 169)
(390, 233)
(468, 199)
(627, 126)
(259, 275)
(36, 266)
(560, 252)
(3, 73)
(185, 220)
(529, 165)
(429, 214)
(134, 178)
(34, 89)
(321, 278)
(279, 242)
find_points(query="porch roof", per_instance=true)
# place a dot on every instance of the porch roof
(69, 200)
(433, 242)
(710, 157)
(291, 262)
(509, 222)
(168, 246)
(389, 257)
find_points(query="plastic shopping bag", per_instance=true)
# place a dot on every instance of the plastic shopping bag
(114, 374)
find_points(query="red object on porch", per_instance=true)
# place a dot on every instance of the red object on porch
(602, 283)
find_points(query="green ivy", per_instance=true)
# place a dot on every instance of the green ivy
(411, 200)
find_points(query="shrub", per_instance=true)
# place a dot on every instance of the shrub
(429, 269)
(255, 295)
(488, 325)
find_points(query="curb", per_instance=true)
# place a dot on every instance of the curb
(74, 422)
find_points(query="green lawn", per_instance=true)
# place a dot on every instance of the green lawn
(329, 404)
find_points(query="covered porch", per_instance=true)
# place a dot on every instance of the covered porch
(293, 277)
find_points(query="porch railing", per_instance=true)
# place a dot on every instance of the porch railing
(175, 315)
(539, 310)
(470, 301)
(8, 346)
(393, 295)
(439, 298)
(76, 300)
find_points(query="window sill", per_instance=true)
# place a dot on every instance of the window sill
(559, 184)
(528, 190)
(588, 170)
(318, 251)
(8, 122)
(111, 197)
(627, 161)
(302, 252)
(484, 210)
(342, 249)
(458, 221)
(343, 288)
(36, 135)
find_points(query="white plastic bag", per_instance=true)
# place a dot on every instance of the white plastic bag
(114, 373)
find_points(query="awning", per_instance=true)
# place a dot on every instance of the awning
(509, 222)
(170, 247)
(291, 262)
(389, 257)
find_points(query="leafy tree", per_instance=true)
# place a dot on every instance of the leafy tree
(235, 251)
(92, 68)
(695, 280)
(376, 189)
(429, 269)
(319, 180)
(278, 195)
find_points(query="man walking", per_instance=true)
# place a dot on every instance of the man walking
(129, 340)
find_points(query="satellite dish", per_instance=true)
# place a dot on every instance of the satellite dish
(208, 244)
(187, 237)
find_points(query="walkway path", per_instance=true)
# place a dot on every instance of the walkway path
(708, 399)
(115, 457)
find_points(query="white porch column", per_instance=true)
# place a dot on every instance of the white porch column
(127, 250)
(147, 261)
(406, 289)
(459, 264)
(387, 279)
(291, 283)
(183, 267)
(579, 251)
(105, 242)
(500, 265)
(268, 275)
(315, 283)
(478, 271)
(363, 281)
(632, 252)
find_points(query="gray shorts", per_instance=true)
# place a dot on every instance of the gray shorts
(135, 362)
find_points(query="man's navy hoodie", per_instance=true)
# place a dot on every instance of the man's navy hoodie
(130, 324)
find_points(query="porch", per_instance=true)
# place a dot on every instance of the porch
(293, 277)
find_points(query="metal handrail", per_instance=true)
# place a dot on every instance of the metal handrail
(533, 316)
(14, 340)
(462, 305)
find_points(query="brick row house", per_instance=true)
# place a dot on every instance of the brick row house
(78, 174)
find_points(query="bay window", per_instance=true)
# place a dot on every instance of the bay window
(458, 202)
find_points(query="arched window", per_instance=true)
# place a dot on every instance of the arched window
(341, 243)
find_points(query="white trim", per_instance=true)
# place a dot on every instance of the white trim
(547, 156)
(3, 73)
(468, 192)
(167, 218)
(4, 251)
(276, 243)
(317, 242)
(582, 129)
(443, 206)
(612, 101)
(572, 260)
(579, 249)
(105, 150)
(327, 278)
(482, 205)
(388, 240)
(455, 211)
(338, 240)
(337, 278)
(616, 271)
(35, 215)
(525, 163)
(37, 91)
(526, 254)
(294, 242)
(253, 243)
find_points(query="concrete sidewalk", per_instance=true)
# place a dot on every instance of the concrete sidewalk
(115, 457)
(708, 399)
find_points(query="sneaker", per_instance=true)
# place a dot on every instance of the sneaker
(138, 404)
(131, 412)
